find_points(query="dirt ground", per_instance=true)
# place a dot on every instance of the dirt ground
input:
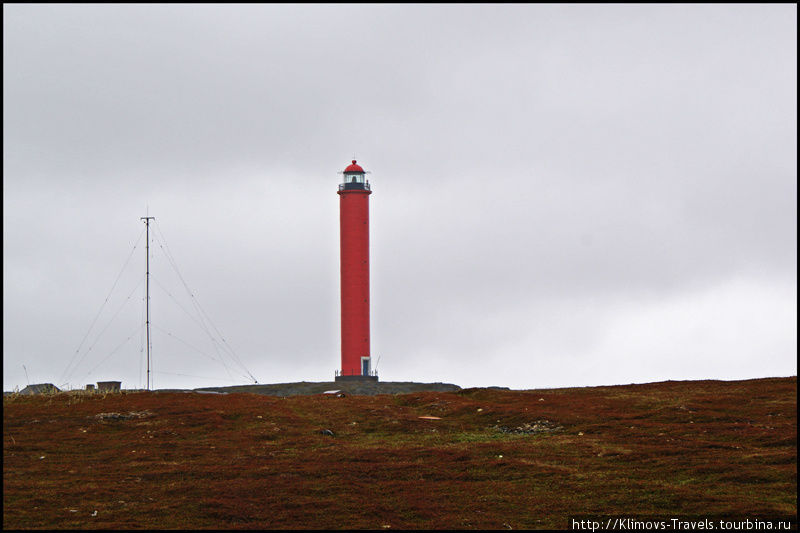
(457, 459)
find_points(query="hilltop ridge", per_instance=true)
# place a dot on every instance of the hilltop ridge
(368, 388)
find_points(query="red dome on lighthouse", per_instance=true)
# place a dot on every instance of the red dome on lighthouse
(354, 168)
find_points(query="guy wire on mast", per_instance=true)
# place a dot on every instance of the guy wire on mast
(223, 349)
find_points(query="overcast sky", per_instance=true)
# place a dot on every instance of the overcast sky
(563, 195)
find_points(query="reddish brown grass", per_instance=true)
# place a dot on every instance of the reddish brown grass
(704, 448)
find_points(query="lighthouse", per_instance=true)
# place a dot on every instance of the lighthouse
(354, 191)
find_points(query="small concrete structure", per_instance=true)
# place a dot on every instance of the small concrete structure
(40, 388)
(89, 387)
(109, 386)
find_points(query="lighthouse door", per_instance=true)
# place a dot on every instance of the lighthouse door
(365, 366)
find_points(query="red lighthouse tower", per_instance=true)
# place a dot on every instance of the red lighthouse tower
(354, 194)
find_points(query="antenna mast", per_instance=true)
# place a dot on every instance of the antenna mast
(147, 298)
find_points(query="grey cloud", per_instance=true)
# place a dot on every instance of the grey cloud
(542, 176)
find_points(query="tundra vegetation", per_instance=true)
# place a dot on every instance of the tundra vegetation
(479, 458)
